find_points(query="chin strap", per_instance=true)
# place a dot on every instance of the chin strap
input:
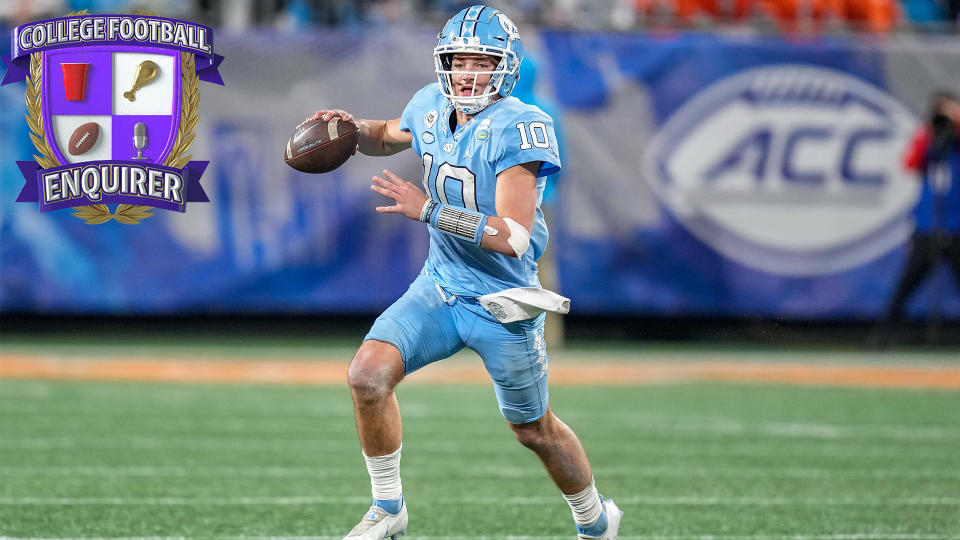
(472, 106)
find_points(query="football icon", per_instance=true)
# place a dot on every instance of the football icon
(318, 146)
(83, 138)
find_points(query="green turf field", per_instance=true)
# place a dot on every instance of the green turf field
(109, 460)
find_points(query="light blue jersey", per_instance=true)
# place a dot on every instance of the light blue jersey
(461, 167)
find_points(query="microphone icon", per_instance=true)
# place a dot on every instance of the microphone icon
(140, 139)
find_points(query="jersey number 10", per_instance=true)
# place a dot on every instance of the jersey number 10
(533, 136)
(538, 133)
(468, 181)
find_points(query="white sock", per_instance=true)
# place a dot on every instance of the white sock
(585, 505)
(385, 475)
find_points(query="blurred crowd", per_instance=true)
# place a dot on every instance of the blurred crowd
(789, 16)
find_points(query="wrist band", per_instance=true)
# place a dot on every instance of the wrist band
(459, 222)
(427, 210)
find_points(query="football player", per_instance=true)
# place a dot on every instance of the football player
(485, 159)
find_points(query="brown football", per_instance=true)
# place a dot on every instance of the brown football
(83, 138)
(317, 146)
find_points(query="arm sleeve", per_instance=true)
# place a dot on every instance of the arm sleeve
(530, 137)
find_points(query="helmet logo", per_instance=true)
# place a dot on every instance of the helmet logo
(508, 26)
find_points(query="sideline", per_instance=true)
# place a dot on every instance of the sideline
(326, 372)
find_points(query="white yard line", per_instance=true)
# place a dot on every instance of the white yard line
(699, 426)
(187, 471)
(838, 449)
(801, 429)
(851, 536)
(629, 419)
(492, 501)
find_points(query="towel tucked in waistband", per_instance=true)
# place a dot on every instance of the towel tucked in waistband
(521, 303)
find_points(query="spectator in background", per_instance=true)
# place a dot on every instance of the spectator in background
(932, 14)
(924, 12)
(869, 15)
(811, 15)
(934, 153)
(16, 12)
(718, 10)
(791, 16)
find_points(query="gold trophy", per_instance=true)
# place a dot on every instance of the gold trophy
(146, 72)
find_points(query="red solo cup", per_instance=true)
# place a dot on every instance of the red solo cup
(75, 80)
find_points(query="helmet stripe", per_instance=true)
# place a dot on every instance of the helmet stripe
(473, 13)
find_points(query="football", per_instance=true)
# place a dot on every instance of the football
(317, 146)
(83, 138)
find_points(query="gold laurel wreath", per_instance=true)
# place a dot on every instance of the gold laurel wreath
(45, 159)
(126, 213)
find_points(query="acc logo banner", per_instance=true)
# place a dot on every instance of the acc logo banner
(793, 170)
(112, 103)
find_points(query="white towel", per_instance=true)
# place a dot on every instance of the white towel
(523, 303)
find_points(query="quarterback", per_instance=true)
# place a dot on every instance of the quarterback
(486, 156)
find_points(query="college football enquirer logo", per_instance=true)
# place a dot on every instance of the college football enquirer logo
(790, 169)
(112, 109)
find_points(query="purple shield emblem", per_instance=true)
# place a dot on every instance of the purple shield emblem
(142, 128)
(112, 109)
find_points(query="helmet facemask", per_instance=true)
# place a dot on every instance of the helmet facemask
(480, 98)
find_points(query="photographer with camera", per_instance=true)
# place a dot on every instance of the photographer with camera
(934, 153)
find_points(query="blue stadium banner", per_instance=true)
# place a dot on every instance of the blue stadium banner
(704, 175)
(737, 176)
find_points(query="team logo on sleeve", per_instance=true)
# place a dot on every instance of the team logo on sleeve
(112, 106)
(429, 119)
